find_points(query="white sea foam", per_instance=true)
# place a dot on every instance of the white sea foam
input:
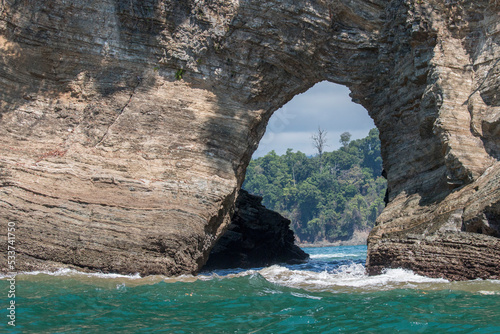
(346, 276)
(303, 295)
(73, 272)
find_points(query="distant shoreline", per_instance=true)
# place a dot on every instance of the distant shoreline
(358, 238)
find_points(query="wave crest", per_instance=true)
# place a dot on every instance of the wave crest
(351, 276)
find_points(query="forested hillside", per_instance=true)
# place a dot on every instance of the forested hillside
(327, 196)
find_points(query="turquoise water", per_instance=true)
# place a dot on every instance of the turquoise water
(329, 294)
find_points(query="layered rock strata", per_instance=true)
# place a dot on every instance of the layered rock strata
(256, 237)
(126, 125)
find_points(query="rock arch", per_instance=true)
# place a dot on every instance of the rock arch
(128, 125)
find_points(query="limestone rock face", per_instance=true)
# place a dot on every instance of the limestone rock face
(126, 125)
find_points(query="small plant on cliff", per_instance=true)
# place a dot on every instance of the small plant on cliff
(179, 74)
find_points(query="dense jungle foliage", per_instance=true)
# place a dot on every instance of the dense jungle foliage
(327, 196)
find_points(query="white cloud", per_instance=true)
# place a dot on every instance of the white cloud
(327, 105)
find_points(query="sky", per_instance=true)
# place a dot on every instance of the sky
(326, 105)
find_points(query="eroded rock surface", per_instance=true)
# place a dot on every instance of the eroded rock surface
(126, 125)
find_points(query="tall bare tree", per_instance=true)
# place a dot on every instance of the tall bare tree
(319, 142)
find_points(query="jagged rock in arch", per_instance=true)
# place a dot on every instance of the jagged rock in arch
(127, 125)
(256, 237)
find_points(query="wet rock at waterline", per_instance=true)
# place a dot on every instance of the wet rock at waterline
(127, 125)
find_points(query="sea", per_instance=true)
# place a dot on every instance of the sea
(331, 293)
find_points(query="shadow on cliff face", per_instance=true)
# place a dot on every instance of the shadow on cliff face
(490, 94)
(232, 135)
(45, 57)
(269, 53)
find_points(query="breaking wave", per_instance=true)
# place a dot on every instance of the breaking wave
(326, 271)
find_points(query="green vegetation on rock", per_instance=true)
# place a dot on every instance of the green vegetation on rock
(326, 200)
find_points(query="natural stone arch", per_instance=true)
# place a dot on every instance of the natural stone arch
(112, 163)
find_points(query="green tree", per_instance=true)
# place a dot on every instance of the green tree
(345, 139)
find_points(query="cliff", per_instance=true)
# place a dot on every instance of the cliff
(127, 125)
